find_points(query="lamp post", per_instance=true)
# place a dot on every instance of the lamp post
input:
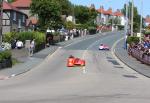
(126, 26)
(132, 18)
(1, 20)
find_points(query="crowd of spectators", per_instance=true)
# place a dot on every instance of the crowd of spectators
(143, 47)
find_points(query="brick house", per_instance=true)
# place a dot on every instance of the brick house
(24, 6)
(13, 19)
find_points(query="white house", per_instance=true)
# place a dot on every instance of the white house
(70, 18)
(105, 15)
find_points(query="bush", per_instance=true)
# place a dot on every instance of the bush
(147, 33)
(6, 46)
(133, 39)
(81, 26)
(5, 59)
(120, 27)
(39, 37)
(5, 55)
(92, 30)
(25, 36)
(8, 37)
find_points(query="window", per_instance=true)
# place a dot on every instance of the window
(14, 16)
(23, 18)
(19, 23)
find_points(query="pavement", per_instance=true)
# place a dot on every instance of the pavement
(131, 62)
(26, 64)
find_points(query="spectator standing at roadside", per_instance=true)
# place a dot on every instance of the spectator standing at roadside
(32, 47)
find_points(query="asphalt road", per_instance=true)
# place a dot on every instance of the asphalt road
(106, 79)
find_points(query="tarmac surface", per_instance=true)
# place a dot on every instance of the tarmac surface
(27, 63)
(131, 62)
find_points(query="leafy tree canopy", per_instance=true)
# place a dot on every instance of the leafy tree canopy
(136, 18)
(48, 12)
(84, 15)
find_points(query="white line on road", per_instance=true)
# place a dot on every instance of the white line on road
(84, 55)
(123, 64)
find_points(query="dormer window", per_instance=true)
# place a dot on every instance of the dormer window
(14, 16)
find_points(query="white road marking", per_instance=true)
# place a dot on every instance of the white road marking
(84, 55)
(123, 64)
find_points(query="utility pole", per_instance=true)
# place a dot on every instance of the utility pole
(1, 20)
(141, 23)
(126, 27)
(132, 18)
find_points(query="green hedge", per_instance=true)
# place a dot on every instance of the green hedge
(8, 37)
(5, 55)
(147, 33)
(81, 26)
(38, 36)
(92, 30)
(132, 39)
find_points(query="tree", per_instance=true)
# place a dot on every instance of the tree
(136, 19)
(48, 12)
(81, 14)
(65, 6)
(69, 25)
(84, 15)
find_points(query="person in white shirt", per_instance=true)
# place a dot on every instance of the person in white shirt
(32, 47)
(19, 44)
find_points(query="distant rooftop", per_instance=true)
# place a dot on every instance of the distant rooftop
(109, 11)
(22, 3)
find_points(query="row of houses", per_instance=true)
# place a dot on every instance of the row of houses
(104, 16)
(17, 16)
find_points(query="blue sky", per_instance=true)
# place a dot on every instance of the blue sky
(115, 4)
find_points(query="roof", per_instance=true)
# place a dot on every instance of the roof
(101, 10)
(147, 20)
(117, 13)
(22, 3)
(7, 6)
(106, 12)
(109, 12)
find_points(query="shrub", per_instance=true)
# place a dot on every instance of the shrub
(92, 30)
(147, 33)
(25, 36)
(5, 55)
(8, 37)
(81, 26)
(6, 46)
(39, 37)
(133, 39)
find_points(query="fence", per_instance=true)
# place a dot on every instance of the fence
(139, 55)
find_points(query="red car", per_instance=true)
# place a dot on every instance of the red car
(103, 47)
(72, 62)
